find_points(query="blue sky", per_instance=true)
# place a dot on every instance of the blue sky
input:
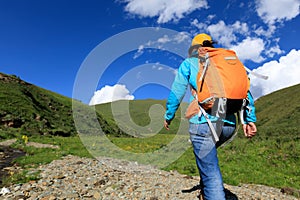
(49, 43)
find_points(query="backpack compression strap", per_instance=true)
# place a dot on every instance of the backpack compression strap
(212, 128)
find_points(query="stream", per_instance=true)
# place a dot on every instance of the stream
(7, 156)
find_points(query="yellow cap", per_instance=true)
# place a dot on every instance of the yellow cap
(200, 38)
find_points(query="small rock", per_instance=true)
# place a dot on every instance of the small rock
(4, 191)
(97, 195)
(18, 187)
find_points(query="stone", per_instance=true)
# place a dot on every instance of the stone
(97, 195)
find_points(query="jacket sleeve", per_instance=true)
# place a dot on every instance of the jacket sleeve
(250, 111)
(178, 90)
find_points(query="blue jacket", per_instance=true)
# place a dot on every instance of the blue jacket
(186, 76)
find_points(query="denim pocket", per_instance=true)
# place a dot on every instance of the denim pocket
(200, 130)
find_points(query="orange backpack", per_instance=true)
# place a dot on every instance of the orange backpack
(221, 76)
(222, 86)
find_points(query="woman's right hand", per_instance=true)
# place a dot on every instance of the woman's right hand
(249, 129)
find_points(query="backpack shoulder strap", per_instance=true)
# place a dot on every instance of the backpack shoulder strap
(206, 64)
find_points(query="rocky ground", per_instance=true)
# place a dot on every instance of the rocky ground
(105, 178)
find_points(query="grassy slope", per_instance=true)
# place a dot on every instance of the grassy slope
(280, 112)
(28, 109)
(32, 109)
(143, 113)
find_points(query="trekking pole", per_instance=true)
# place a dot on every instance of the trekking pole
(256, 74)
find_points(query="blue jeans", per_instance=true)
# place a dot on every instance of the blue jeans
(205, 151)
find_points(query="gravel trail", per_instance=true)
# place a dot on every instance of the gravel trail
(73, 177)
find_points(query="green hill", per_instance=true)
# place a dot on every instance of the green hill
(279, 112)
(138, 117)
(28, 109)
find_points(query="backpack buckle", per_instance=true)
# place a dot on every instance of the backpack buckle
(208, 103)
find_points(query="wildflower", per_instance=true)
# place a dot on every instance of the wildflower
(25, 139)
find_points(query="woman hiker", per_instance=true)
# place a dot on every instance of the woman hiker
(204, 146)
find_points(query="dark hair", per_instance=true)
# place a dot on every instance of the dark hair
(207, 43)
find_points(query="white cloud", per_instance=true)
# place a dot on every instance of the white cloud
(260, 31)
(181, 37)
(226, 34)
(157, 66)
(250, 49)
(163, 43)
(164, 39)
(222, 33)
(199, 25)
(272, 11)
(110, 94)
(236, 36)
(165, 10)
(270, 52)
(139, 52)
(204, 22)
(282, 74)
(210, 17)
(241, 27)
